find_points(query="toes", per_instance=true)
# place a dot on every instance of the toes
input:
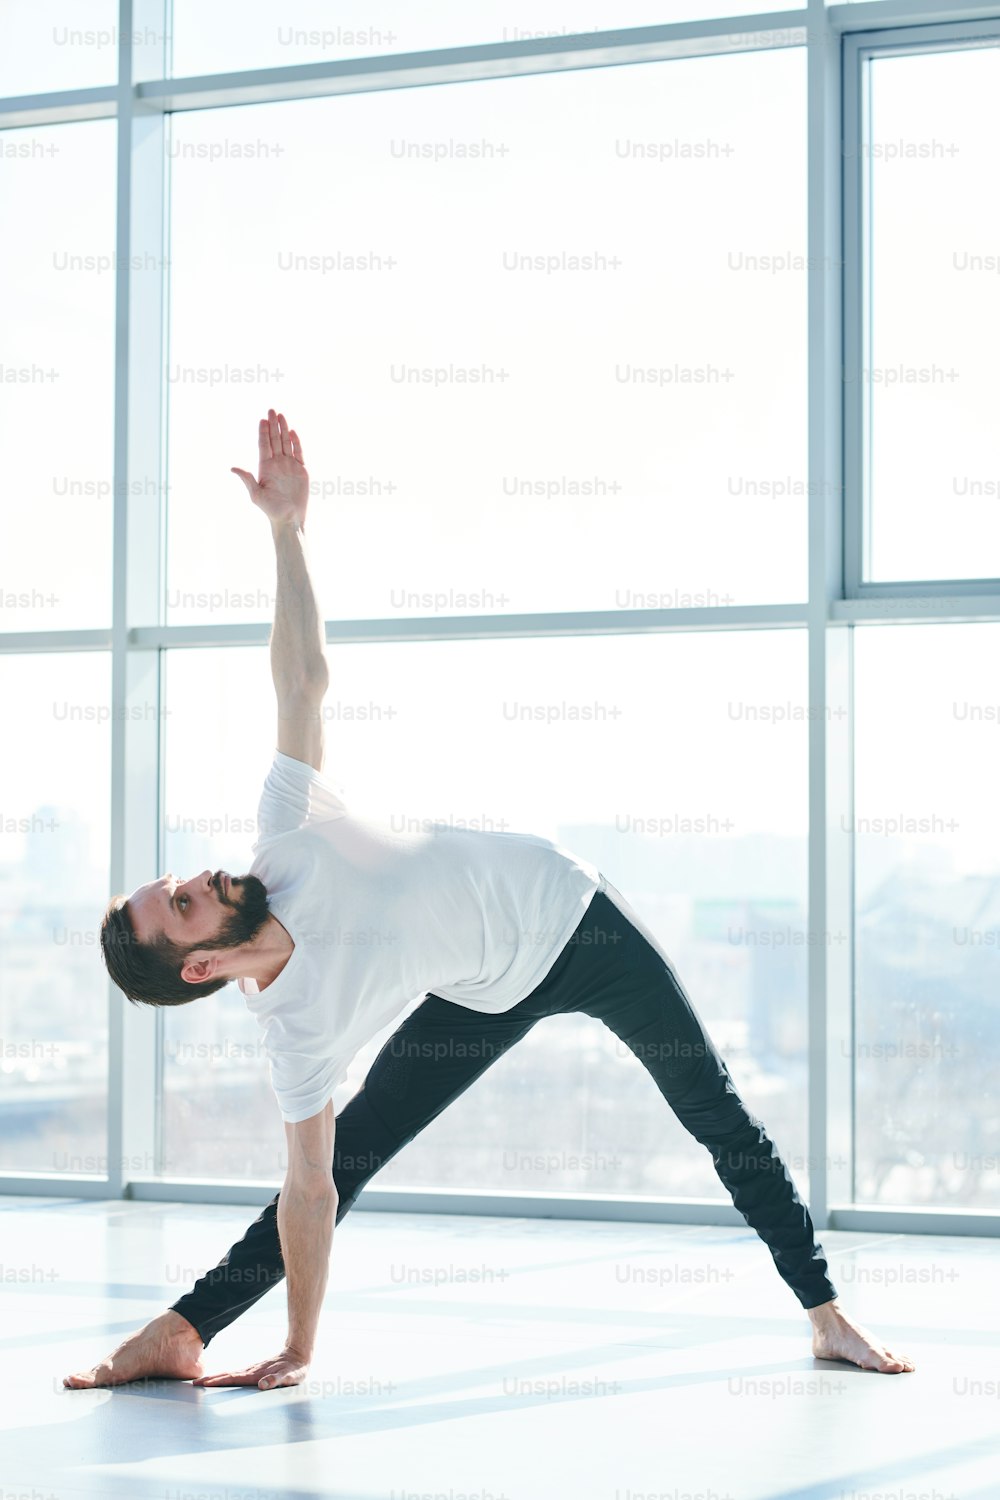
(873, 1358)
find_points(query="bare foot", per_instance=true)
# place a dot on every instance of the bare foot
(836, 1336)
(167, 1347)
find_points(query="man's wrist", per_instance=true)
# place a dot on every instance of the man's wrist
(300, 1350)
(282, 524)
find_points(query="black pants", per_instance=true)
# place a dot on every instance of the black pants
(612, 968)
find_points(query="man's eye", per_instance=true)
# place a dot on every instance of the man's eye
(182, 902)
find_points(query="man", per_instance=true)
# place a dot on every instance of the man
(497, 930)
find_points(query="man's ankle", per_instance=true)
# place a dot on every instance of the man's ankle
(824, 1311)
(179, 1328)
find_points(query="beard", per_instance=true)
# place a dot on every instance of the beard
(244, 916)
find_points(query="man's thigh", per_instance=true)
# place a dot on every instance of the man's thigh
(432, 1057)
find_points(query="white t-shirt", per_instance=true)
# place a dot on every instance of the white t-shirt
(379, 918)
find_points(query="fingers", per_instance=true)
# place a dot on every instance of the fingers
(287, 1377)
(252, 487)
(245, 1379)
(274, 438)
(263, 1376)
(247, 479)
(234, 1377)
(252, 1376)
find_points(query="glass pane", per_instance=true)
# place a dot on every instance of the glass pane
(53, 889)
(935, 315)
(928, 832)
(57, 299)
(232, 34)
(63, 44)
(571, 376)
(705, 835)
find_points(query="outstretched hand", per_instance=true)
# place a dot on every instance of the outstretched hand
(287, 1368)
(281, 488)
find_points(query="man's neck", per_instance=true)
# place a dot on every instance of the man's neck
(264, 958)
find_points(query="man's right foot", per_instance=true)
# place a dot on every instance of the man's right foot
(168, 1347)
(837, 1336)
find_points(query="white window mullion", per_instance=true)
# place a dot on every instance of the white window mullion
(136, 704)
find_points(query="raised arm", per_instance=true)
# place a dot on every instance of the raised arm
(298, 656)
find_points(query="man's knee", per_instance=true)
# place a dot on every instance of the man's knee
(713, 1112)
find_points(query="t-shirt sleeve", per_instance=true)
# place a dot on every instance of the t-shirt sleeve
(303, 1084)
(295, 795)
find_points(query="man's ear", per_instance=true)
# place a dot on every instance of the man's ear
(199, 970)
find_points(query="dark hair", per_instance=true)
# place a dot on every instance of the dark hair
(148, 973)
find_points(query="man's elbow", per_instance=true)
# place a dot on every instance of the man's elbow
(315, 676)
(303, 691)
(312, 1193)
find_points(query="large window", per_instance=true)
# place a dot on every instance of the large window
(54, 770)
(513, 399)
(57, 302)
(56, 416)
(927, 830)
(650, 377)
(703, 830)
(929, 377)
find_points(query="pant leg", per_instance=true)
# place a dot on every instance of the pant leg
(628, 982)
(432, 1057)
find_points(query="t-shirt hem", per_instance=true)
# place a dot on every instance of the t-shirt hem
(546, 965)
(304, 1112)
(549, 961)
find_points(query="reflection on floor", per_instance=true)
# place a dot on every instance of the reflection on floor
(500, 1359)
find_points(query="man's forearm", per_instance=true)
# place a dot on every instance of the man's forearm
(305, 1228)
(298, 655)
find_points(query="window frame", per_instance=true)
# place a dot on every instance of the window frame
(860, 50)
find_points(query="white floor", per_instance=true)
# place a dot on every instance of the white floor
(501, 1359)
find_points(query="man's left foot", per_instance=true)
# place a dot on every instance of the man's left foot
(167, 1348)
(836, 1336)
